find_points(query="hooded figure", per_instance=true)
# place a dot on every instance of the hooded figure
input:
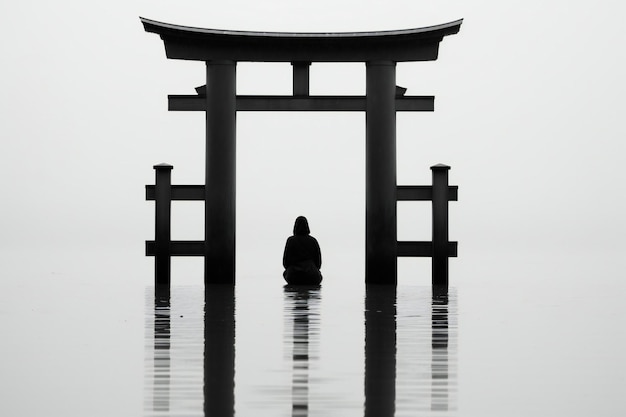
(302, 258)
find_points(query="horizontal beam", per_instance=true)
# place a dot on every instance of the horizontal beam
(206, 44)
(423, 249)
(307, 103)
(196, 248)
(423, 193)
(180, 192)
(179, 248)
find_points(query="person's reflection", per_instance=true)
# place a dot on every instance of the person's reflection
(161, 382)
(380, 350)
(439, 365)
(219, 350)
(301, 304)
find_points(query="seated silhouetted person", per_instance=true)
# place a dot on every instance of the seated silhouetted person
(302, 258)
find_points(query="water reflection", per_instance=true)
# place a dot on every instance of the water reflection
(161, 360)
(409, 347)
(402, 340)
(302, 305)
(439, 367)
(193, 355)
(219, 351)
(380, 350)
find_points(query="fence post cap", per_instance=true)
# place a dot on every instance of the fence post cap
(440, 167)
(163, 166)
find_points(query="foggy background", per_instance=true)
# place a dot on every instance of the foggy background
(529, 113)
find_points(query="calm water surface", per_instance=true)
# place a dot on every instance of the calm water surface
(299, 352)
(526, 336)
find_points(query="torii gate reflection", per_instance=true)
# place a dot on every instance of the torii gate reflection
(380, 51)
(402, 372)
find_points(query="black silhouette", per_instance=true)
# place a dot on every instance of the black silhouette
(302, 258)
(221, 51)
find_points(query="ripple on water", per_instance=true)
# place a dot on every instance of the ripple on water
(398, 359)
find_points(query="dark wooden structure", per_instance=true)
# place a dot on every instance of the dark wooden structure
(380, 51)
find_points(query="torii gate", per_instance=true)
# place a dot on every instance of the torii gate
(380, 51)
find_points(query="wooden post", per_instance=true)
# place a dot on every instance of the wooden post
(162, 238)
(440, 228)
(380, 174)
(219, 260)
(301, 78)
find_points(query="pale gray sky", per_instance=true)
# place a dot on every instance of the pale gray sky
(529, 97)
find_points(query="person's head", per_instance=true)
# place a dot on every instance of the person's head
(301, 226)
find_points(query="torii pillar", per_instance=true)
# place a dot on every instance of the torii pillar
(380, 173)
(220, 169)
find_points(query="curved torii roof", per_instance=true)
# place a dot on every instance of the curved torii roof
(191, 43)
